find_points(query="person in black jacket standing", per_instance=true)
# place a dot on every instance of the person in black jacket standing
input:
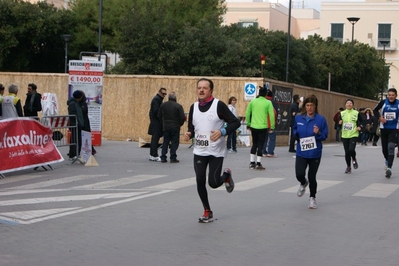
(74, 108)
(294, 110)
(33, 101)
(171, 115)
(155, 128)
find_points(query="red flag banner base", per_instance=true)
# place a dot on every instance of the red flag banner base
(25, 143)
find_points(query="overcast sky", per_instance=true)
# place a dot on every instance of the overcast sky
(316, 4)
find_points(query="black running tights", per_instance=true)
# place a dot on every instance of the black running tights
(300, 170)
(388, 139)
(214, 178)
(258, 139)
(349, 147)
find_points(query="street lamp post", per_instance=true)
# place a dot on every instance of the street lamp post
(353, 21)
(383, 43)
(67, 38)
(262, 63)
(288, 43)
(100, 21)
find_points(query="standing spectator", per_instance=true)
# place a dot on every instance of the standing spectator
(85, 112)
(206, 121)
(171, 115)
(337, 126)
(74, 108)
(11, 104)
(351, 121)
(363, 118)
(232, 138)
(310, 129)
(1, 98)
(374, 137)
(294, 110)
(33, 101)
(367, 124)
(270, 139)
(389, 127)
(155, 128)
(258, 113)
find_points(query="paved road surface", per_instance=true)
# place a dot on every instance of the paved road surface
(130, 211)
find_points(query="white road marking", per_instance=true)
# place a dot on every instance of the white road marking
(252, 183)
(57, 215)
(9, 192)
(174, 185)
(119, 182)
(377, 190)
(26, 215)
(321, 185)
(14, 179)
(58, 181)
(69, 198)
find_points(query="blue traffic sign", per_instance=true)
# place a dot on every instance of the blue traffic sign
(250, 89)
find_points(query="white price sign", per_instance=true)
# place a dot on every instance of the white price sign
(83, 80)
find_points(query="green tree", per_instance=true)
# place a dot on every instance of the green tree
(30, 38)
(360, 72)
(150, 34)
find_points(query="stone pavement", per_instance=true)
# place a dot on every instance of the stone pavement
(130, 211)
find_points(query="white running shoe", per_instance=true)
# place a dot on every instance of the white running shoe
(312, 203)
(302, 189)
(386, 165)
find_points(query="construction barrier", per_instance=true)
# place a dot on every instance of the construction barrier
(64, 133)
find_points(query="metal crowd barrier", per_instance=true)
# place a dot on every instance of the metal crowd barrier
(64, 134)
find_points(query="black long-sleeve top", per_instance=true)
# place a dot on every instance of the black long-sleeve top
(223, 112)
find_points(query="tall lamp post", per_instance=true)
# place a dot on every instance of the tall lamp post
(67, 38)
(383, 43)
(100, 22)
(353, 21)
(288, 43)
(262, 63)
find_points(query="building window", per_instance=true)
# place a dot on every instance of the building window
(384, 34)
(248, 24)
(337, 31)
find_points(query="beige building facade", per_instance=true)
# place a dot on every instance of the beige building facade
(271, 16)
(378, 21)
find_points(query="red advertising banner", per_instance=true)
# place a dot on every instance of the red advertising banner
(25, 143)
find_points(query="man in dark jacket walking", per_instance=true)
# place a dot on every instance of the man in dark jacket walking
(171, 115)
(74, 108)
(155, 128)
(33, 101)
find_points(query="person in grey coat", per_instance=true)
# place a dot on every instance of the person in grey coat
(171, 115)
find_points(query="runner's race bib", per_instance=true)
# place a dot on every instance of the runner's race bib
(348, 126)
(389, 116)
(308, 143)
(202, 139)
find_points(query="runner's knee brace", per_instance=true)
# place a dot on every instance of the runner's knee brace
(391, 148)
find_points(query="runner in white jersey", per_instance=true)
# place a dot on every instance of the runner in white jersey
(206, 124)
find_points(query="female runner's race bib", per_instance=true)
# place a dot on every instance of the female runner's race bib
(308, 143)
(348, 126)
